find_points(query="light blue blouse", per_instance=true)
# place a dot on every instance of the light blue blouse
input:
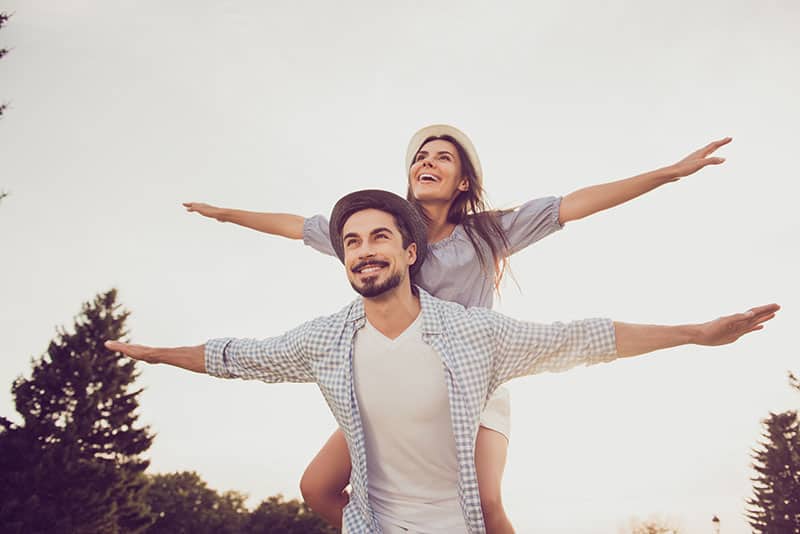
(452, 270)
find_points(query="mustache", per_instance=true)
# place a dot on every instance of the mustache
(366, 263)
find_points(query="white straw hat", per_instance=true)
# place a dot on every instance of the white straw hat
(439, 130)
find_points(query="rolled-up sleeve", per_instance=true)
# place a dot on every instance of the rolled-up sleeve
(316, 234)
(523, 348)
(277, 359)
(531, 222)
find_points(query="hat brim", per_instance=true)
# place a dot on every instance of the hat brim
(441, 130)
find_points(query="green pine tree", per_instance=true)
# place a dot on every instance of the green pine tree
(775, 505)
(74, 463)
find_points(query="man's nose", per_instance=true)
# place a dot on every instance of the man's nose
(365, 251)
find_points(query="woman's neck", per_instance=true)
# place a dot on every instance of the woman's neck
(438, 227)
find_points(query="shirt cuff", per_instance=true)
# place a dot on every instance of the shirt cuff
(604, 341)
(555, 213)
(215, 357)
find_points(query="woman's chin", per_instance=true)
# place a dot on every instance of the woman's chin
(423, 195)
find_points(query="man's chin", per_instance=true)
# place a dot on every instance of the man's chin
(372, 287)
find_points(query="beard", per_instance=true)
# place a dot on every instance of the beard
(373, 289)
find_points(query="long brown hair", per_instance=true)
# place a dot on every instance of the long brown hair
(471, 210)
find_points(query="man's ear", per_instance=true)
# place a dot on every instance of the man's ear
(412, 254)
(463, 185)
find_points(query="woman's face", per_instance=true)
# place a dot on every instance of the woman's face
(435, 174)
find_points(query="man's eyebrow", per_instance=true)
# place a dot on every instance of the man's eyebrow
(373, 232)
(379, 230)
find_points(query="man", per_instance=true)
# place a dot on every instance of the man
(406, 375)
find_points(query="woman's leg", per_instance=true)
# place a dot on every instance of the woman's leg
(325, 479)
(491, 449)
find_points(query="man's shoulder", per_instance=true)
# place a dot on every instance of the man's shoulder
(336, 321)
(453, 311)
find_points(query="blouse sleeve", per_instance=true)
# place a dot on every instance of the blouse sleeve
(530, 222)
(317, 235)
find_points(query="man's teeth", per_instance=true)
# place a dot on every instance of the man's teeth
(371, 268)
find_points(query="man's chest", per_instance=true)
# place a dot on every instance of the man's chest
(399, 381)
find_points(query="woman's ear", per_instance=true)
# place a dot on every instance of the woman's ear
(463, 185)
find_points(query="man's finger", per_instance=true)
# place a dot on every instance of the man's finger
(116, 346)
(763, 318)
(766, 308)
(759, 327)
(714, 145)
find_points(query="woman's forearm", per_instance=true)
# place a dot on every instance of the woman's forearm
(282, 224)
(590, 200)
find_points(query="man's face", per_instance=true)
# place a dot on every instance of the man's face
(374, 257)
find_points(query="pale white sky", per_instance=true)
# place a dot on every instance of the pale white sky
(121, 110)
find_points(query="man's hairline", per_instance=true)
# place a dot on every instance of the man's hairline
(395, 218)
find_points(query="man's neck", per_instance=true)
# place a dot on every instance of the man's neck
(438, 227)
(394, 311)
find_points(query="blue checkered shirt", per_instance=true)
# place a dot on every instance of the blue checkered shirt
(480, 349)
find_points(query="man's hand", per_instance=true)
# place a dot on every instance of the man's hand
(191, 358)
(137, 352)
(698, 159)
(730, 328)
(206, 210)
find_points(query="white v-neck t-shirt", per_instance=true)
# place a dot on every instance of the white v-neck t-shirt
(410, 446)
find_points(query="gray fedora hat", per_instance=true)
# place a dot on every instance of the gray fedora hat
(384, 201)
(436, 131)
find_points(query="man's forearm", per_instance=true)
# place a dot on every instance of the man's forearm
(190, 358)
(589, 200)
(282, 224)
(636, 339)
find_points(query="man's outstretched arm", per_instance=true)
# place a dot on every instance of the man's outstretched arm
(277, 359)
(190, 358)
(636, 339)
(524, 348)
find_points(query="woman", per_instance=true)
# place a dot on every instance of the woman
(469, 246)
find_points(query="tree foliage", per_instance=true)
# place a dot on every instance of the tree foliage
(290, 517)
(183, 504)
(74, 463)
(775, 505)
(652, 526)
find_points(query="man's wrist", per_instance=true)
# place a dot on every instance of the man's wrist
(668, 174)
(694, 333)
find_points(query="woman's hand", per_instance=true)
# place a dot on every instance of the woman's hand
(698, 159)
(206, 210)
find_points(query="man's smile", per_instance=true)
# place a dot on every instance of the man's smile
(369, 266)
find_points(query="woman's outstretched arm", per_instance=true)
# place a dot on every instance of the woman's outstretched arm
(589, 200)
(282, 224)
